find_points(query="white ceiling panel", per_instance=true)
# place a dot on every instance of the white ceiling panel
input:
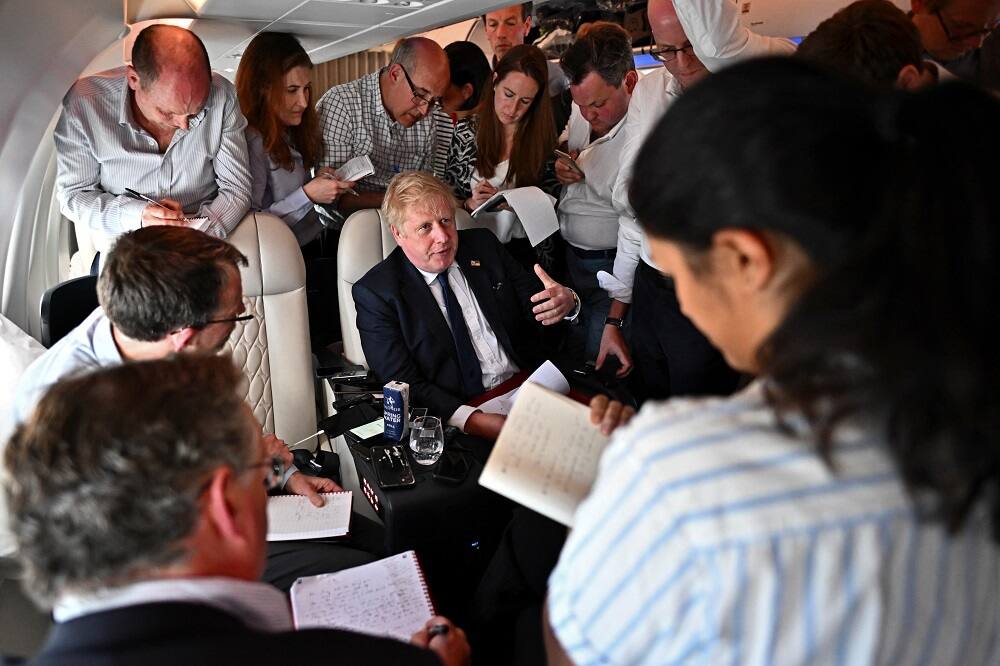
(344, 13)
(315, 30)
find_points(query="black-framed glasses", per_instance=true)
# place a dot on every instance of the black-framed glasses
(669, 53)
(420, 98)
(226, 320)
(962, 36)
(275, 472)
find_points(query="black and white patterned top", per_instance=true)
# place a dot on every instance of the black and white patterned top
(461, 160)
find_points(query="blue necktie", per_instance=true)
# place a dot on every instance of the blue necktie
(468, 362)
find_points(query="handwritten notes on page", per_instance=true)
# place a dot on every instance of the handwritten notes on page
(535, 210)
(385, 598)
(291, 517)
(547, 454)
(355, 168)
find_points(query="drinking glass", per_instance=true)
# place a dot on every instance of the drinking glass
(426, 439)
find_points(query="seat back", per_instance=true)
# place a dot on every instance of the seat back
(365, 240)
(273, 349)
(65, 305)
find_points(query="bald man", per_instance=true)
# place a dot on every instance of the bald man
(386, 115)
(164, 126)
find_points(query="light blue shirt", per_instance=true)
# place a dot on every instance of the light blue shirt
(89, 346)
(712, 537)
(279, 191)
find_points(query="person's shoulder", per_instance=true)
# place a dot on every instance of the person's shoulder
(347, 93)
(384, 274)
(95, 88)
(223, 87)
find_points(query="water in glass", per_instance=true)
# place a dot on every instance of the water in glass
(426, 439)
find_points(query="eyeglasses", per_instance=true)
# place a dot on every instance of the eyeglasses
(227, 320)
(420, 98)
(669, 53)
(962, 36)
(275, 472)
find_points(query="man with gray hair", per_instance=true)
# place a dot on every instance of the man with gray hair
(146, 534)
(164, 126)
(387, 116)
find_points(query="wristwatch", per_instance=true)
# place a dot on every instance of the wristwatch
(614, 321)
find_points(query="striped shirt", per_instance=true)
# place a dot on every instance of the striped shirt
(711, 537)
(355, 122)
(101, 150)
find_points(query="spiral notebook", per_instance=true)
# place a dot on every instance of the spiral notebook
(385, 598)
(291, 517)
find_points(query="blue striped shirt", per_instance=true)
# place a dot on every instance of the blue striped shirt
(101, 149)
(712, 537)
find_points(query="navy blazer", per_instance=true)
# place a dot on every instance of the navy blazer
(192, 634)
(407, 338)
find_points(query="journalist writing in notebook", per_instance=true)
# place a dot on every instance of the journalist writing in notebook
(146, 535)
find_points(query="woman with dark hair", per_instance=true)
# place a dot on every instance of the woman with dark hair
(274, 84)
(458, 119)
(838, 243)
(515, 142)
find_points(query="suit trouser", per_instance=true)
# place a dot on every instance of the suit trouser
(585, 333)
(671, 356)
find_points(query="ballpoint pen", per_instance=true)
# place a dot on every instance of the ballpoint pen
(139, 195)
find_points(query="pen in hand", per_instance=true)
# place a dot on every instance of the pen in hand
(139, 195)
(349, 190)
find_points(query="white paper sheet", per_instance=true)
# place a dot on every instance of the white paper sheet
(291, 517)
(546, 375)
(355, 168)
(535, 211)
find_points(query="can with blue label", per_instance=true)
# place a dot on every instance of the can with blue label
(396, 402)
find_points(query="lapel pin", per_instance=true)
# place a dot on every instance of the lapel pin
(474, 263)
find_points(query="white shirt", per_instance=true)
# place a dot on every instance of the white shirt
(712, 536)
(89, 346)
(652, 96)
(587, 215)
(259, 606)
(496, 365)
(101, 150)
(713, 27)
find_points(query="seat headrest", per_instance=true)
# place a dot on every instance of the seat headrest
(275, 262)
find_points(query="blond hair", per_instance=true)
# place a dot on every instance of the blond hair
(413, 188)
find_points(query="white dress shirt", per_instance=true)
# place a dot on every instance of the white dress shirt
(652, 96)
(259, 606)
(101, 150)
(713, 27)
(587, 215)
(496, 365)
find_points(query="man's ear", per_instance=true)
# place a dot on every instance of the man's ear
(911, 78)
(467, 91)
(395, 232)
(631, 78)
(181, 338)
(132, 77)
(222, 508)
(743, 258)
(527, 25)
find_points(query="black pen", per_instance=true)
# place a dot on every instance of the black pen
(437, 630)
(139, 195)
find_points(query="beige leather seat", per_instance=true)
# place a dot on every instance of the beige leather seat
(365, 240)
(273, 349)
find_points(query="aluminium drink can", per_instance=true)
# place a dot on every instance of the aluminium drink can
(396, 403)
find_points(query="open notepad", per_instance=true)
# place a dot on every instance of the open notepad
(534, 208)
(385, 598)
(547, 454)
(291, 517)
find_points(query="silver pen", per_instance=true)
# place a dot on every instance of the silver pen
(139, 195)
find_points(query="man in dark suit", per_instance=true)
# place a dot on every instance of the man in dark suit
(451, 313)
(146, 532)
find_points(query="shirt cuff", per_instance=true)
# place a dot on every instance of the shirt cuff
(461, 415)
(289, 471)
(131, 214)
